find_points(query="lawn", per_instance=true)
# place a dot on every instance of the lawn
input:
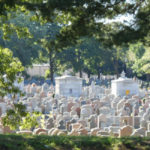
(23, 142)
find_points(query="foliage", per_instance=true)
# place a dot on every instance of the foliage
(145, 62)
(30, 120)
(9, 68)
(26, 47)
(86, 17)
(90, 56)
(13, 118)
(18, 117)
(136, 56)
(78, 19)
(49, 49)
(47, 73)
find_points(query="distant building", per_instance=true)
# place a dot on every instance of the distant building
(37, 69)
(68, 86)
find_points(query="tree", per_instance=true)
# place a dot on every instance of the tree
(138, 59)
(93, 56)
(87, 17)
(88, 55)
(23, 47)
(18, 117)
(14, 116)
(49, 50)
(138, 28)
(10, 67)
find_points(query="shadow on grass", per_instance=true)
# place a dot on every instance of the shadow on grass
(24, 142)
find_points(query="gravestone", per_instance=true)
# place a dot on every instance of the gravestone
(0, 111)
(126, 131)
(92, 122)
(50, 123)
(136, 122)
(61, 125)
(139, 132)
(126, 120)
(45, 87)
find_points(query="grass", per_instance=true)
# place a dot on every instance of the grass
(24, 142)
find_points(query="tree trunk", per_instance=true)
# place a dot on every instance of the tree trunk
(51, 68)
(116, 68)
(89, 75)
(98, 75)
(147, 77)
(80, 73)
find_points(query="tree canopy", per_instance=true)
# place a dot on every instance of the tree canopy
(78, 20)
(88, 17)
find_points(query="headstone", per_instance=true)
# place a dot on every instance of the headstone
(83, 132)
(139, 132)
(50, 123)
(137, 122)
(25, 132)
(94, 131)
(126, 131)
(38, 130)
(126, 120)
(103, 133)
(61, 125)
(45, 87)
(42, 133)
(55, 132)
(86, 111)
(148, 133)
(101, 121)
(33, 88)
(92, 122)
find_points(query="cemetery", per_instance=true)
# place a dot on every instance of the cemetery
(74, 74)
(94, 110)
(68, 108)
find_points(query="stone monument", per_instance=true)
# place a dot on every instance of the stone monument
(124, 86)
(68, 86)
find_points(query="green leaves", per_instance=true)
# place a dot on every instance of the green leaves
(139, 58)
(9, 29)
(81, 16)
(9, 68)
(14, 116)
(18, 117)
(30, 120)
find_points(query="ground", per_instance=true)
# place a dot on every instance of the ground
(22, 142)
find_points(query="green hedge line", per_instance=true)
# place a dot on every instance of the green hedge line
(22, 142)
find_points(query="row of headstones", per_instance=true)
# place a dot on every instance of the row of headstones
(86, 110)
(87, 113)
(77, 130)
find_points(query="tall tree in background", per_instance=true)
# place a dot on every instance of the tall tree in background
(88, 56)
(138, 59)
(50, 50)
(23, 47)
